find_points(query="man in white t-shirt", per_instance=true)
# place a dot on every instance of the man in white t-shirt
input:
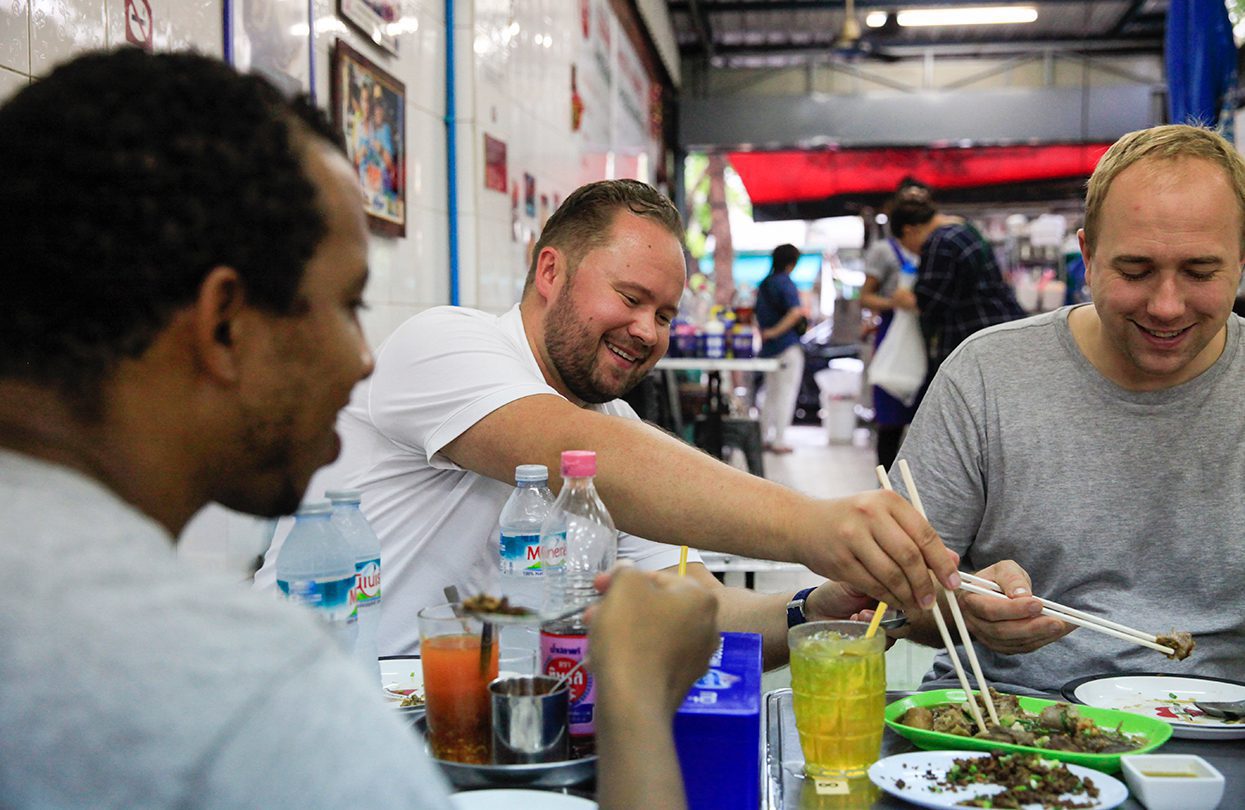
(436, 461)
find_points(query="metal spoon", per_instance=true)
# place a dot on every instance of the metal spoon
(1228, 710)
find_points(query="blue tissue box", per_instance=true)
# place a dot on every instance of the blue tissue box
(717, 730)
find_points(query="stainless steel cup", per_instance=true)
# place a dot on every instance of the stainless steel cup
(529, 719)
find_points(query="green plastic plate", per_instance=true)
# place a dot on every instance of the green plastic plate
(1155, 731)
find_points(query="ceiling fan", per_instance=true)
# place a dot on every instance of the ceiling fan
(852, 43)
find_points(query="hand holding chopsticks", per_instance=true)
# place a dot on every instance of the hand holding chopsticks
(984, 587)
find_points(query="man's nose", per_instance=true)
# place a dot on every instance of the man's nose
(644, 329)
(1167, 300)
(367, 360)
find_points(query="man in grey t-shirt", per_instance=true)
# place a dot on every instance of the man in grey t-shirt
(1092, 455)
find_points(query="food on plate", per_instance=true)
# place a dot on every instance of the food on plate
(1181, 642)
(1058, 727)
(486, 603)
(1028, 780)
(414, 699)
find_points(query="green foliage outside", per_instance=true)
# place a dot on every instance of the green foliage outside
(696, 181)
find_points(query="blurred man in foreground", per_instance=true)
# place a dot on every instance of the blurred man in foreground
(1093, 454)
(185, 258)
(461, 397)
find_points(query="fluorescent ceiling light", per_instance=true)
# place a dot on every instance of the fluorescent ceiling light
(875, 19)
(979, 15)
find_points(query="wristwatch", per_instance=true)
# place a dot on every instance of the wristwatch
(795, 612)
(795, 608)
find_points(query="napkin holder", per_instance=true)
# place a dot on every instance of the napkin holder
(717, 730)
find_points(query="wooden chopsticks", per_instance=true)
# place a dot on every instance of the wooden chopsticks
(941, 623)
(984, 587)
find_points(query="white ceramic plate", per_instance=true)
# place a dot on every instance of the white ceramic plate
(401, 675)
(1167, 697)
(920, 771)
(518, 800)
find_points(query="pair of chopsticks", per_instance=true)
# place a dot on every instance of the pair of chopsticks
(948, 643)
(984, 587)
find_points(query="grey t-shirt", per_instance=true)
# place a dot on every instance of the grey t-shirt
(1129, 505)
(129, 679)
(882, 263)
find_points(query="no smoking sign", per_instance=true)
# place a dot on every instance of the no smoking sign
(138, 23)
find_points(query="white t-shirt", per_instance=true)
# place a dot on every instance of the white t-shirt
(437, 375)
(129, 678)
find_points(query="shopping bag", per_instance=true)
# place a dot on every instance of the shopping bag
(899, 364)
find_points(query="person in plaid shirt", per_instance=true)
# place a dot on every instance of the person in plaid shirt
(959, 288)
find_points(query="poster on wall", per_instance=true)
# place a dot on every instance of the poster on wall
(529, 195)
(494, 164)
(516, 229)
(377, 19)
(369, 109)
(271, 38)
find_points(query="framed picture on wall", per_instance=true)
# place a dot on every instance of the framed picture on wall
(369, 108)
(271, 38)
(377, 19)
(494, 163)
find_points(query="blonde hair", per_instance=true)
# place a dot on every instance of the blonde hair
(1169, 142)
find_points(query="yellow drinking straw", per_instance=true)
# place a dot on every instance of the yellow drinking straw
(881, 608)
(877, 619)
(682, 560)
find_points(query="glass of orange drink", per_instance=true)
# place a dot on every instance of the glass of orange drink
(838, 686)
(458, 667)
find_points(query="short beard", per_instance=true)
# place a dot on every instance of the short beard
(565, 341)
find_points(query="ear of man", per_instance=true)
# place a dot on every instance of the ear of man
(219, 321)
(551, 273)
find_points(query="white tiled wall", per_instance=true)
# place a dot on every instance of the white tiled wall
(517, 91)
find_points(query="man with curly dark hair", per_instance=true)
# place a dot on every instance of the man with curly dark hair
(184, 259)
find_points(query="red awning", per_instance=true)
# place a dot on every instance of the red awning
(794, 176)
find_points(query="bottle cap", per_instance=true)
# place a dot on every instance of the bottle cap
(337, 496)
(531, 472)
(314, 508)
(579, 463)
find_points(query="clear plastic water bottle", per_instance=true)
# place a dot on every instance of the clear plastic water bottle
(578, 541)
(522, 517)
(349, 520)
(316, 568)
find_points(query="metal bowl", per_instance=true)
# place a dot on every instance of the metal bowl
(568, 773)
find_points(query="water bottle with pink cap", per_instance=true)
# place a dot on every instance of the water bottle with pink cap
(577, 541)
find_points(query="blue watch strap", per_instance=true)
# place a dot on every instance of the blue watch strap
(795, 608)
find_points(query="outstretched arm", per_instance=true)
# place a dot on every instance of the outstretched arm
(663, 489)
(650, 639)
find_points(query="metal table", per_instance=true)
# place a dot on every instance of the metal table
(783, 764)
(717, 403)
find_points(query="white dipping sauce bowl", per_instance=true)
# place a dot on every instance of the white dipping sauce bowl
(1200, 787)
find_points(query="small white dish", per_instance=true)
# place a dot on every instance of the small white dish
(400, 676)
(518, 800)
(1173, 781)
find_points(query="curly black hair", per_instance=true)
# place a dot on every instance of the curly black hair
(125, 178)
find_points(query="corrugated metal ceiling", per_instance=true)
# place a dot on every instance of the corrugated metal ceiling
(788, 32)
